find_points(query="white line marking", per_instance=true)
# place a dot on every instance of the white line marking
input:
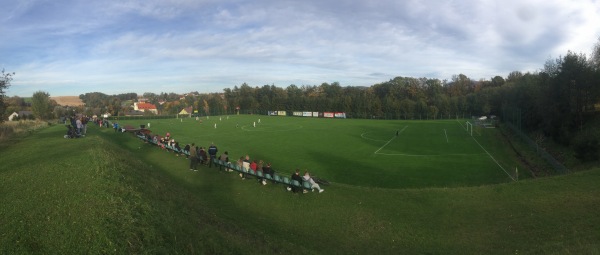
(364, 137)
(493, 159)
(393, 137)
(490, 156)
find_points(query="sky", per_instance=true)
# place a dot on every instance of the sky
(73, 47)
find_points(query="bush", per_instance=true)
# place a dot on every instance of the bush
(12, 128)
(6, 131)
(587, 146)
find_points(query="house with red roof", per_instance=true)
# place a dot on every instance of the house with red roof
(145, 107)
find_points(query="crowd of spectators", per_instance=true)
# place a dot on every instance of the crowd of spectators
(76, 125)
(199, 155)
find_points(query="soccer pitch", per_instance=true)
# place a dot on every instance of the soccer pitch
(368, 153)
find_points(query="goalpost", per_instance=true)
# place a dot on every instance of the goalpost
(470, 128)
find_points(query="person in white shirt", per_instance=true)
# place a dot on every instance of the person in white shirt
(312, 182)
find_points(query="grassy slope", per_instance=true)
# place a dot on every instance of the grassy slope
(107, 192)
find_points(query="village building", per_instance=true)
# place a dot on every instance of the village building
(186, 111)
(145, 107)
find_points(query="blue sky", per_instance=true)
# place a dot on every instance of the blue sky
(68, 48)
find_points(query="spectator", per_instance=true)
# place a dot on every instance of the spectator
(84, 122)
(212, 152)
(253, 166)
(245, 165)
(193, 158)
(202, 156)
(240, 164)
(170, 144)
(186, 150)
(312, 182)
(225, 158)
(259, 167)
(176, 147)
(296, 176)
(79, 126)
(161, 143)
(267, 170)
(72, 120)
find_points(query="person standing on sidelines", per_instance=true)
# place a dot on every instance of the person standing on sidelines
(193, 158)
(212, 153)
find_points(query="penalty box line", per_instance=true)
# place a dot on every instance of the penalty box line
(393, 137)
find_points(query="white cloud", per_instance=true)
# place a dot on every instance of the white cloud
(210, 45)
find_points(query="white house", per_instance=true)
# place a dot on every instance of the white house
(12, 116)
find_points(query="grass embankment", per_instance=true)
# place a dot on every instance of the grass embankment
(110, 193)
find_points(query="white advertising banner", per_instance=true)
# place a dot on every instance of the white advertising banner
(340, 115)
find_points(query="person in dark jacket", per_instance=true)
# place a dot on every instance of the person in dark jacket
(186, 150)
(296, 176)
(212, 153)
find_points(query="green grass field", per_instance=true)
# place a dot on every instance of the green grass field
(110, 193)
(356, 152)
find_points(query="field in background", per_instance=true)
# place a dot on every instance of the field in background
(67, 100)
(353, 151)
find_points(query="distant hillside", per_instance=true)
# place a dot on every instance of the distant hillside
(68, 100)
